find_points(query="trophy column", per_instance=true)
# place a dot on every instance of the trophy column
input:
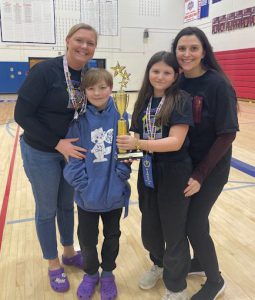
(121, 103)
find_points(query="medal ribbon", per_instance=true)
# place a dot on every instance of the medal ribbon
(78, 98)
(151, 128)
(150, 123)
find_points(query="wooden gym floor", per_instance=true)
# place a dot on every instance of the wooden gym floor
(23, 273)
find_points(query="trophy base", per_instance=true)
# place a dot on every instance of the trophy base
(130, 155)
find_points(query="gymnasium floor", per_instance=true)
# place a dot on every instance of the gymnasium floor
(23, 273)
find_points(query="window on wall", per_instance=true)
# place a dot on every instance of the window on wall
(93, 63)
(97, 63)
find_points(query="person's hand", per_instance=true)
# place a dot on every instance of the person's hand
(126, 142)
(127, 161)
(66, 148)
(192, 188)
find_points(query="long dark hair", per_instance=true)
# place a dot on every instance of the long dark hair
(147, 91)
(209, 61)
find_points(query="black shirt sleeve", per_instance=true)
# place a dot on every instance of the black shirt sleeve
(226, 109)
(183, 115)
(30, 96)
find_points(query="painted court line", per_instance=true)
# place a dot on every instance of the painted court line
(239, 187)
(131, 202)
(241, 182)
(5, 101)
(245, 123)
(9, 128)
(8, 188)
(243, 167)
(20, 221)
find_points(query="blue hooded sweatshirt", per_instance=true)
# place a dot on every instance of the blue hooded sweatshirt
(99, 180)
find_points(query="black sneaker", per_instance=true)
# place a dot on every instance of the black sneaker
(210, 290)
(195, 268)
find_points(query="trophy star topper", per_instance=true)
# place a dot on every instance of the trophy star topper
(123, 83)
(120, 70)
(126, 75)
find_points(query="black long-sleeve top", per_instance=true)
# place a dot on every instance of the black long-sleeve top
(43, 109)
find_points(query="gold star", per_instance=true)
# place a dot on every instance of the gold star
(123, 83)
(116, 69)
(120, 70)
(126, 75)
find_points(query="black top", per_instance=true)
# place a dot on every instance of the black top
(214, 111)
(43, 109)
(176, 117)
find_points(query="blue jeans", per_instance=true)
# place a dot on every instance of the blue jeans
(53, 197)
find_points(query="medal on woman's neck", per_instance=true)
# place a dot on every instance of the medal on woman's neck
(76, 96)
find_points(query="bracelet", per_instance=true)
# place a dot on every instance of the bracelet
(137, 144)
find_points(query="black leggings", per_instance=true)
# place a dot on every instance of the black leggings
(198, 222)
(164, 214)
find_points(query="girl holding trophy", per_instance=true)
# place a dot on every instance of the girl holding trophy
(161, 119)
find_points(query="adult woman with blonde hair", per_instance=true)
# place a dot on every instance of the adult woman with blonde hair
(47, 102)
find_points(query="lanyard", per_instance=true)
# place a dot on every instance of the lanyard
(150, 123)
(151, 129)
(77, 97)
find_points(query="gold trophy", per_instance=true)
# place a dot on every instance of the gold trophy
(121, 100)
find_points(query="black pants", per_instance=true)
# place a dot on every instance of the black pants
(198, 222)
(88, 239)
(164, 214)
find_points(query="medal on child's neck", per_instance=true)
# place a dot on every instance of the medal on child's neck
(76, 96)
(150, 122)
(151, 130)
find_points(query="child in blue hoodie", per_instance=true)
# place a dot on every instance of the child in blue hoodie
(100, 183)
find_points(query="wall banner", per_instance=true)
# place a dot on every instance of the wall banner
(235, 20)
(203, 9)
(190, 10)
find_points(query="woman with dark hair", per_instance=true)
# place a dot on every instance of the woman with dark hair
(161, 119)
(47, 102)
(215, 117)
